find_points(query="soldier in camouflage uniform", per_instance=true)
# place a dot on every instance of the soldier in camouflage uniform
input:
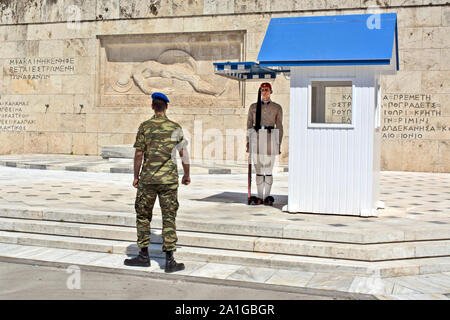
(157, 140)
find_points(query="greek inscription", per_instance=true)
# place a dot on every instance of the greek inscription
(410, 116)
(338, 105)
(13, 116)
(39, 68)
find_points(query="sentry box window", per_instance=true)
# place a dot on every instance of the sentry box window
(331, 104)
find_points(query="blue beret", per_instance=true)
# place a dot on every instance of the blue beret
(159, 95)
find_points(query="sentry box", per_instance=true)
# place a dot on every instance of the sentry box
(335, 64)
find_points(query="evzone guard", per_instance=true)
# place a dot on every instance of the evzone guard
(264, 136)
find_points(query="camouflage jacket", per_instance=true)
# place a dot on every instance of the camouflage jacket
(159, 138)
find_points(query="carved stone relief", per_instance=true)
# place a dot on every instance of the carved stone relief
(173, 64)
(133, 67)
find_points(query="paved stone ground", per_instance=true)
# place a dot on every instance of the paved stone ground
(31, 282)
(414, 201)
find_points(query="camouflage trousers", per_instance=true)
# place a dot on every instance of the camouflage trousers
(145, 199)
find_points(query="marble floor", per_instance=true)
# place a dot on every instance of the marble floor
(415, 202)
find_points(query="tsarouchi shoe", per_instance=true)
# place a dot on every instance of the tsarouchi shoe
(253, 201)
(268, 201)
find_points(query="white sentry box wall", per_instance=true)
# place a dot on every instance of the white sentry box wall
(335, 169)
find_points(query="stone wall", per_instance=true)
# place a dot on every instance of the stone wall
(76, 74)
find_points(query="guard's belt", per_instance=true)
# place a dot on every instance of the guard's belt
(263, 127)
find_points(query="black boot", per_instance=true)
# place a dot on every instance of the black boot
(142, 260)
(171, 264)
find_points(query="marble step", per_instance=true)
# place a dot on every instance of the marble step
(125, 166)
(264, 260)
(371, 252)
(249, 228)
(82, 230)
(118, 151)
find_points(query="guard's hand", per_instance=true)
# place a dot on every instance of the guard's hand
(246, 148)
(186, 180)
(135, 182)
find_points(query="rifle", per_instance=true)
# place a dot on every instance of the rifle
(252, 199)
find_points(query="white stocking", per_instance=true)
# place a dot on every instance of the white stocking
(260, 185)
(267, 185)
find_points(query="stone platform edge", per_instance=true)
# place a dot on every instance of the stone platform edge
(125, 170)
(150, 273)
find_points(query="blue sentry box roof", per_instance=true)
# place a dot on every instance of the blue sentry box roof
(330, 40)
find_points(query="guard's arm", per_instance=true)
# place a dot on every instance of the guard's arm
(249, 123)
(279, 123)
(137, 166)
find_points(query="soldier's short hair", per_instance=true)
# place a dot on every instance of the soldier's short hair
(159, 105)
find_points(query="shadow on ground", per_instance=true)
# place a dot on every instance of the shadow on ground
(239, 197)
